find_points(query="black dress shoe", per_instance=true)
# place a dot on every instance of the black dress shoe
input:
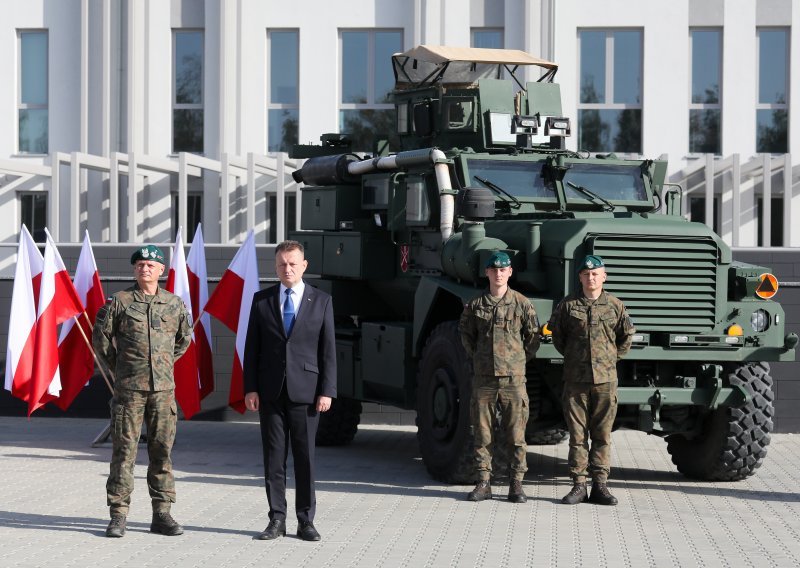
(306, 531)
(275, 528)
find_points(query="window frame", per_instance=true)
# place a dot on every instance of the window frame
(281, 106)
(488, 29)
(787, 77)
(175, 208)
(187, 106)
(705, 106)
(28, 106)
(21, 196)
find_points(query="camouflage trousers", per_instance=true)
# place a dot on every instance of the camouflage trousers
(128, 410)
(509, 395)
(589, 410)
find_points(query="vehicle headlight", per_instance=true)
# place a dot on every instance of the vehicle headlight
(759, 319)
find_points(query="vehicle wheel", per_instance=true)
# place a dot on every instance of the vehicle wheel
(444, 387)
(734, 441)
(543, 428)
(338, 426)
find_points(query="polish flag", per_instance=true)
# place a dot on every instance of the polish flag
(230, 303)
(187, 386)
(22, 318)
(58, 301)
(198, 287)
(74, 355)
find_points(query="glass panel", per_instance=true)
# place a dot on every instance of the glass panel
(706, 66)
(520, 179)
(615, 183)
(283, 67)
(704, 131)
(386, 44)
(610, 130)
(366, 127)
(492, 39)
(282, 134)
(628, 67)
(772, 131)
(187, 130)
(593, 67)
(33, 131)
(189, 68)
(354, 67)
(772, 53)
(33, 68)
(194, 215)
(33, 209)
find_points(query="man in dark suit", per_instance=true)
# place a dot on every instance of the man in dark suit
(289, 378)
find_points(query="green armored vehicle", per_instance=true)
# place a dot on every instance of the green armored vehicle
(399, 239)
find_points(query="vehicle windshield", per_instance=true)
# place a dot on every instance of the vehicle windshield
(519, 178)
(612, 182)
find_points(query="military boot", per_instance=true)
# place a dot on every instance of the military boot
(481, 492)
(576, 495)
(601, 495)
(163, 523)
(516, 493)
(116, 527)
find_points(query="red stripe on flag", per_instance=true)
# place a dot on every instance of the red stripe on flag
(224, 304)
(236, 397)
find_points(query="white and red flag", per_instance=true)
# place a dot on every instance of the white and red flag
(187, 386)
(198, 289)
(22, 318)
(230, 303)
(58, 301)
(76, 361)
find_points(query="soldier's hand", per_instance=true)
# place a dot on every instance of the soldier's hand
(251, 401)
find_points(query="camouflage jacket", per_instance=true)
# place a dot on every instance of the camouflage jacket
(499, 335)
(592, 337)
(140, 340)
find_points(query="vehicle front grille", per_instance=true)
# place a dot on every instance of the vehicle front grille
(666, 283)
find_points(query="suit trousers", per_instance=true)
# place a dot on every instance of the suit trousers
(282, 422)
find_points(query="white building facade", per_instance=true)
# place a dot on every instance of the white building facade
(129, 118)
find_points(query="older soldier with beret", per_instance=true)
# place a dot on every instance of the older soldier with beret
(592, 330)
(139, 335)
(500, 333)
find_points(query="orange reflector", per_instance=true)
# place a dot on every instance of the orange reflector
(735, 329)
(767, 287)
(546, 330)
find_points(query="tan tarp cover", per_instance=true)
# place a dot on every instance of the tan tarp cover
(443, 54)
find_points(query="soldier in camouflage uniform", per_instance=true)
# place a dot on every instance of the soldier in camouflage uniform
(592, 330)
(500, 332)
(139, 335)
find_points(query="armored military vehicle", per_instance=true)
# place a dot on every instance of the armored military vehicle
(400, 238)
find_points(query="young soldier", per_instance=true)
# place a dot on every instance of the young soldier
(500, 332)
(592, 330)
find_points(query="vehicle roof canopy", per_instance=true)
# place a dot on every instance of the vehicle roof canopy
(427, 64)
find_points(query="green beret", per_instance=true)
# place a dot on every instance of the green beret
(149, 252)
(498, 260)
(590, 262)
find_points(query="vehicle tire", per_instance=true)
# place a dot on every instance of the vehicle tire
(540, 431)
(444, 386)
(734, 441)
(338, 426)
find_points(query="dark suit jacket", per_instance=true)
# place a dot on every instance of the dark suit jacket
(306, 360)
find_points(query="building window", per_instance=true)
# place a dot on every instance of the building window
(773, 84)
(776, 221)
(610, 107)
(194, 215)
(33, 214)
(284, 89)
(487, 37)
(187, 102)
(697, 211)
(365, 113)
(704, 109)
(33, 100)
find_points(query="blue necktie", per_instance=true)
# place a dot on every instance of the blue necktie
(288, 313)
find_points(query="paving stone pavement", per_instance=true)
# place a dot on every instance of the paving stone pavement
(377, 507)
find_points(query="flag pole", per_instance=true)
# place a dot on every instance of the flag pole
(197, 319)
(91, 327)
(89, 345)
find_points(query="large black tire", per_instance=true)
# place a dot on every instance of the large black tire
(444, 386)
(338, 426)
(734, 441)
(542, 429)
(546, 437)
